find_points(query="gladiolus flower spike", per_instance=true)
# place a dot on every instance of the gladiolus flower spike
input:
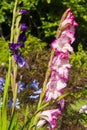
(60, 69)
(15, 48)
(60, 66)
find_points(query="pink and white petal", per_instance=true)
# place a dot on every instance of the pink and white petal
(41, 123)
(51, 116)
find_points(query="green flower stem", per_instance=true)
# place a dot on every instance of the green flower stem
(51, 102)
(13, 21)
(14, 66)
(46, 79)
(15, 31)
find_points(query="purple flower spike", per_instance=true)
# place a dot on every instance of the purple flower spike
(22, 37)
(19, 60)
(23, 11)
(14, 46)
(23, 27)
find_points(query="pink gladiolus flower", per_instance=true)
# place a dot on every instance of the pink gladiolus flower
(52, 94)
(70, 35)
(56, 84)
(62, 44)
(54, 89)
(60, 61)
(60, 64)
(60, 68)
(49, 116)
(69, 21)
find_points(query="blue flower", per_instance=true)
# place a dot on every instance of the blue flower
(10, 104)
(17, 103)
(20, 86)
(38, 91)
(35, 84)
(20, 60)
(2, 81)
(34, 97)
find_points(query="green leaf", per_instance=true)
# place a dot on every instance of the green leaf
(78, 104)
(5, 99)
(48, 1)
(13, 122)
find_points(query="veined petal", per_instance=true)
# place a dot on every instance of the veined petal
(50, 117)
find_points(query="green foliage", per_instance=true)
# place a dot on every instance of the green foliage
(4, 121)
(79, 59)
(4, 51)
(6, 7)
(33, 43)
(48, 1)
(43, 16)
(77, 105)
(79, 8)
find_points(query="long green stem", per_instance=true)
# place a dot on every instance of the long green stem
(8, 76)
(46, 79)
(15, 30)
(5, 98)
(13, 21)
(13, 38)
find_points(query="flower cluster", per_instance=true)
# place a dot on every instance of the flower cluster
(15, 48)
(60, 67)
(35, 86)
(21, 87)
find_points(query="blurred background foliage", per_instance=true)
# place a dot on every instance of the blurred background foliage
(43, 18)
